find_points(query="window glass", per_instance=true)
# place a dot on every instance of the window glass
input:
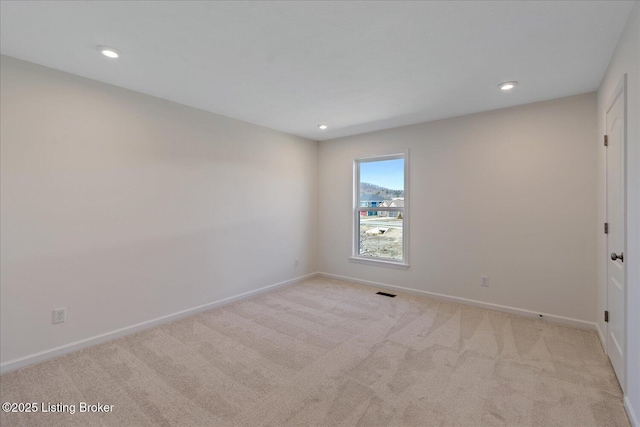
(380, 208)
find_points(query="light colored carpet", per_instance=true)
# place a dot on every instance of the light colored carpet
(331, 353)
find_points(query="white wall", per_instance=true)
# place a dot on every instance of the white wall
(123, 208)
(626, 59)
(508, 193)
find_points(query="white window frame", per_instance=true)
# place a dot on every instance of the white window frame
(355, 253)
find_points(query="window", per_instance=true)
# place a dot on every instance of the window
(380, 234)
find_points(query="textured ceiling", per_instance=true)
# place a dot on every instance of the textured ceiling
(357, 66)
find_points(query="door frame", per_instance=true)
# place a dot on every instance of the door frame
(620, 90)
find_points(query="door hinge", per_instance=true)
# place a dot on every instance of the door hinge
(606, 140)
(606, 316)
(606, 228)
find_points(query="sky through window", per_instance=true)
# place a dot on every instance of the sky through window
(386, 173)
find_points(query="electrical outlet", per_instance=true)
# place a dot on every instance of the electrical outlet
(484, 281)
(60, 315)
(295, 262)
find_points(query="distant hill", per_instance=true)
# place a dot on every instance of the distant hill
(385, 193)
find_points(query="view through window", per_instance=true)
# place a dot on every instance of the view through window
(380, 208)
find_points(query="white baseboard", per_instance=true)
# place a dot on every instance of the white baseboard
(633, 418)
(601, 336)
(31, 359)
(583, 324)
(42, 356)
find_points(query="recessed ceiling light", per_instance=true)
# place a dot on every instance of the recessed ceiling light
(109, 52)
(322, 126)
(507, 85)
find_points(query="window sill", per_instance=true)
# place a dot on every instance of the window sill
(379, 262)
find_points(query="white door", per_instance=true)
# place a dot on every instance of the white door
(616, 294)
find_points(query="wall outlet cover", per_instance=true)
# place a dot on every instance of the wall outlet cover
(60, 315)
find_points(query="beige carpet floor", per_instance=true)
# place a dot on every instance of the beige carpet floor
(330, 353)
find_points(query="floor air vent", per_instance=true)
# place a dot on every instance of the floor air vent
(386, 294)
